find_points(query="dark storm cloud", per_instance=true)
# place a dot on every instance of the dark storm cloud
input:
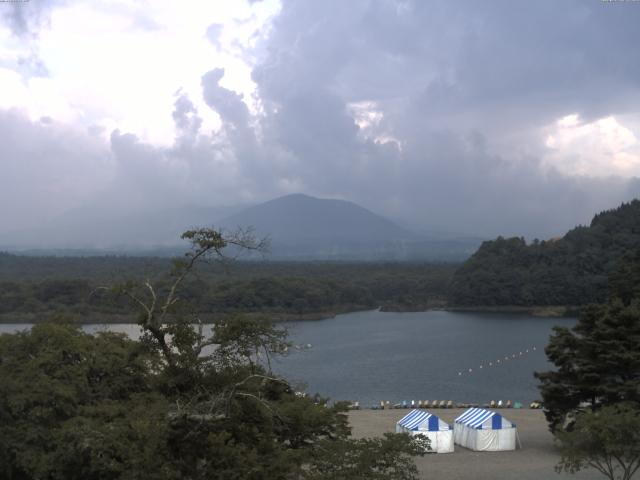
(459, 93)
(430, 112)
(464, 88)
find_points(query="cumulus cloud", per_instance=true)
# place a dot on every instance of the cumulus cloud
(213, 33)
(460, 116)
(436, 111)
(603, 147)
(26, 18)
(186, 117)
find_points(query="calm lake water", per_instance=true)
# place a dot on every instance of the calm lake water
(372, 356)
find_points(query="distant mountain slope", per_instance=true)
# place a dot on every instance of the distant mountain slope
(298, 218)
(300, 228)
(306, 228)
(572, 270)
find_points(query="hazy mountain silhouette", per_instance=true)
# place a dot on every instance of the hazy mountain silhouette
(300, 227)
(305, 227)
(299, 218)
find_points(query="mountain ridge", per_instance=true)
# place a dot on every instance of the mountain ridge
(309, 217)
(301, 227)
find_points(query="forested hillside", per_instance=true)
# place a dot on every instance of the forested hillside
(572, 270)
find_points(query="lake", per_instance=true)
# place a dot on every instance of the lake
(372, 356)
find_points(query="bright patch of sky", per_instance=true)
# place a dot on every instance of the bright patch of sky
(119, 65)
(603, 147)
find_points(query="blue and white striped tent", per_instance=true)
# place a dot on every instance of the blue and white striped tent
(421, 422)
(484, 430)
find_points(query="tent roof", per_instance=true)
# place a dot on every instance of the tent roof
(415, 418)
(476, 417)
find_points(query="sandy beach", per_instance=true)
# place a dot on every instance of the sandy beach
(535, 461)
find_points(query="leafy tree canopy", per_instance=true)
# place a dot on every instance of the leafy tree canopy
(571, 270)
(176, 404)
(607, 440)
(598, 362)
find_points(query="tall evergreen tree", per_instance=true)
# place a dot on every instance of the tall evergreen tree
(598, 362)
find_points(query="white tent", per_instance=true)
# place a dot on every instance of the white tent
(420, 422)
(484, 430)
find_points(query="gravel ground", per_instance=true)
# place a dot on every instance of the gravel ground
(535, 461)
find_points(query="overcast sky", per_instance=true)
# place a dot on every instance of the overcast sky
(496, 117)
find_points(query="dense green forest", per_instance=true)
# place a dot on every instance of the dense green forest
(572, 270)
(569, 271)
(34, 288)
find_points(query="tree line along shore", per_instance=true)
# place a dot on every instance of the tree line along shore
(551, 278)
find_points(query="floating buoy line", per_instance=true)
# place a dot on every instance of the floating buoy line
(500, 361)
